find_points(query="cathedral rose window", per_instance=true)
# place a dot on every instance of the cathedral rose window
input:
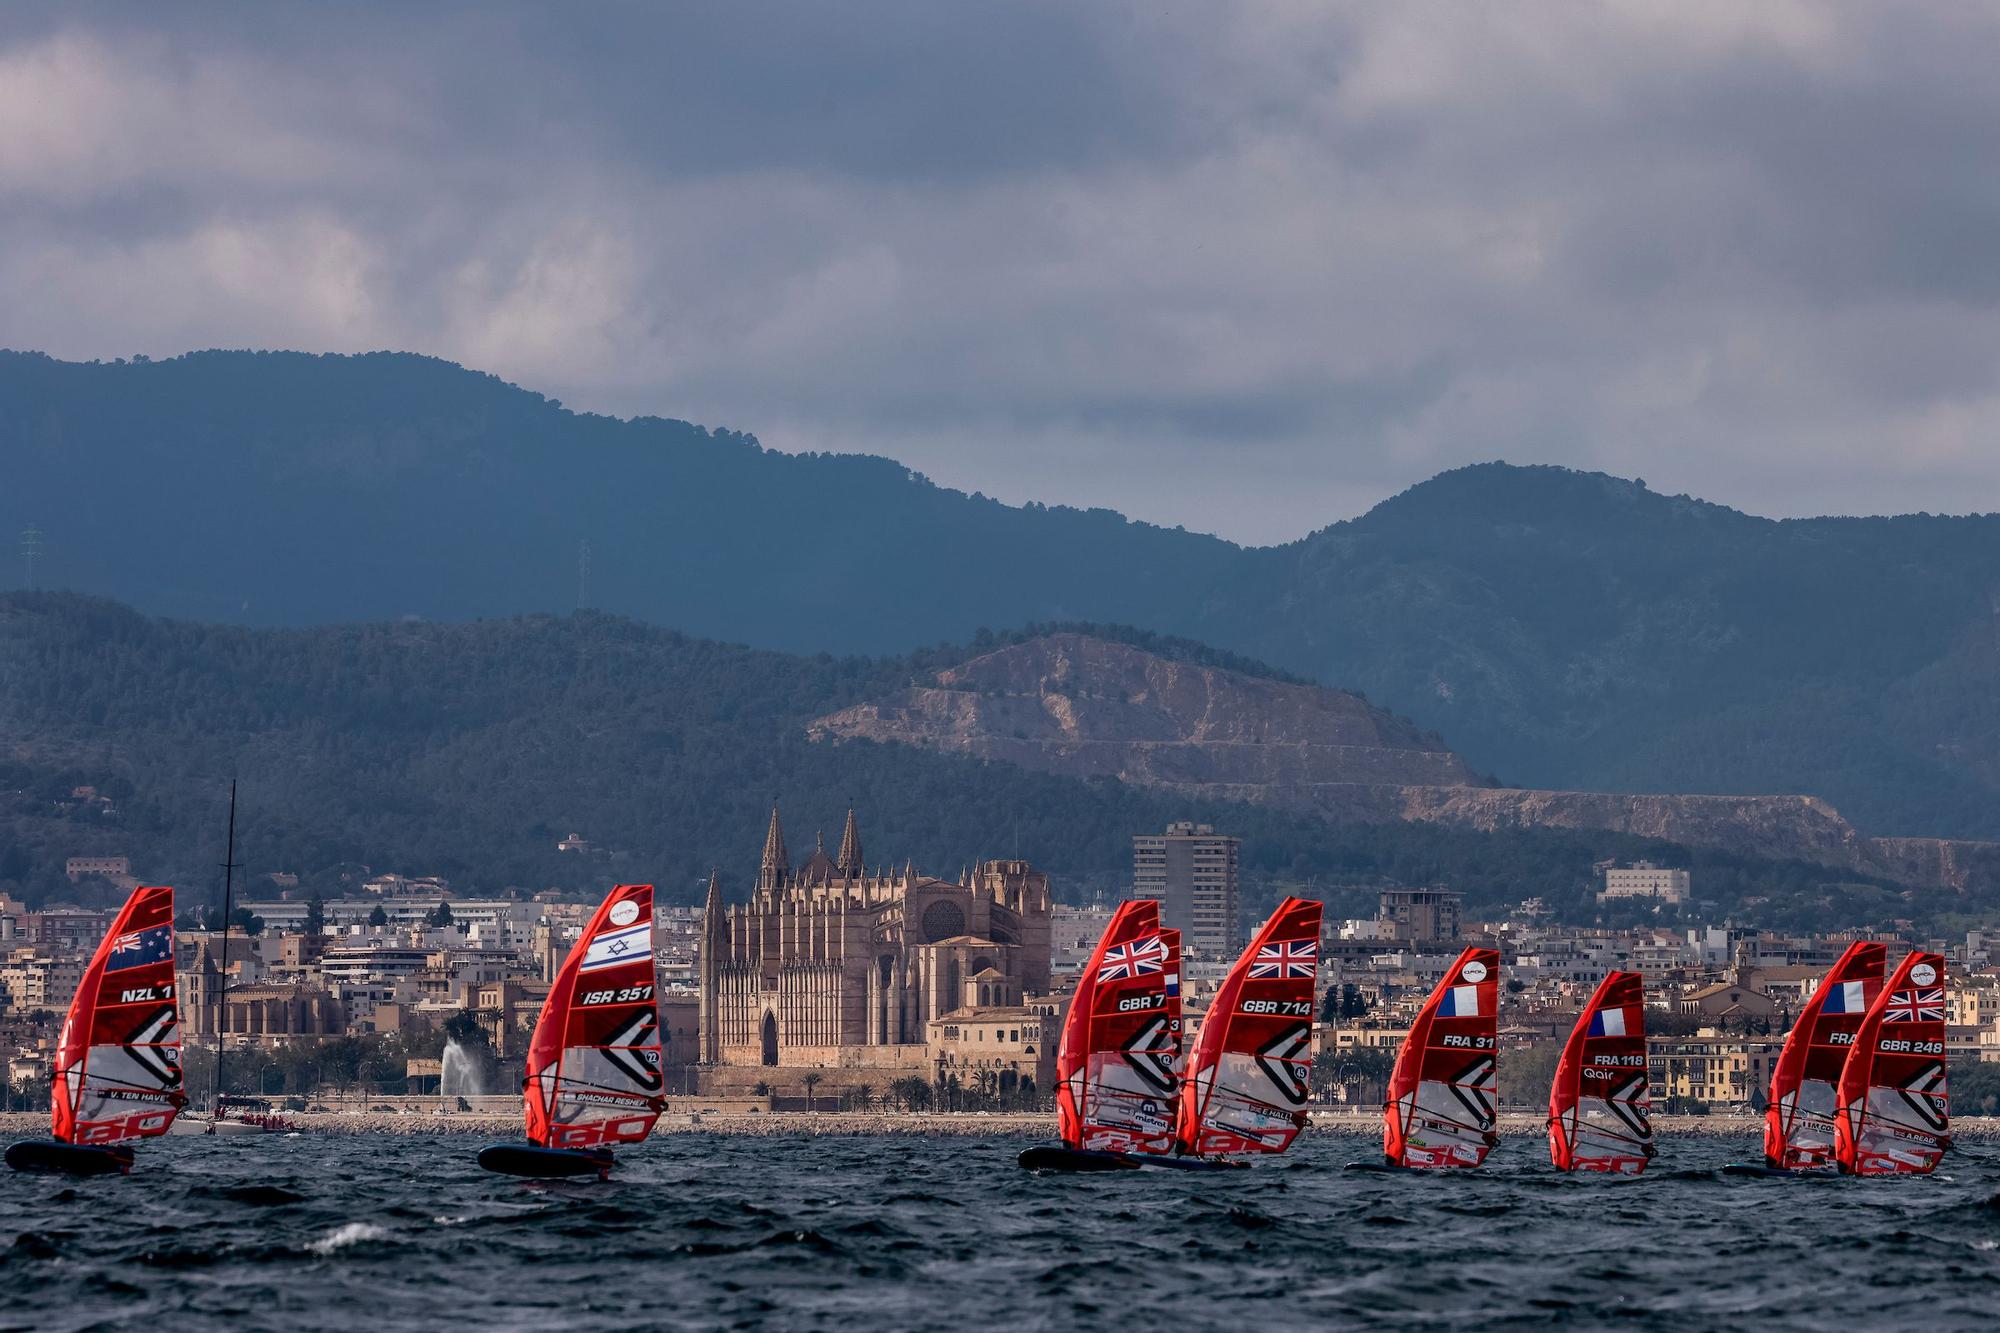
(942, 920)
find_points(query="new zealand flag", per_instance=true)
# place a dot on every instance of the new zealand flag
(139, 947)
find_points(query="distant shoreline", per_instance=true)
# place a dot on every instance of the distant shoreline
(854, 1124)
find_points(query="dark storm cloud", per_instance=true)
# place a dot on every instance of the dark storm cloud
(1243, 267)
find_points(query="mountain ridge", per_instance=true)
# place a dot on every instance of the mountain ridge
(1074, 706)
(1564, 630)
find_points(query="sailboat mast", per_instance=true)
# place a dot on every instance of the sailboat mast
(228, 911)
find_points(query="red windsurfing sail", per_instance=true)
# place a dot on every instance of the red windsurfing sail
(1440, 1110)
(1600, 1115)
(1798, 1123)
(1893, 1116)
(1251, 1071)
(594, 1061)
(117, 1072)
(1115, 1065)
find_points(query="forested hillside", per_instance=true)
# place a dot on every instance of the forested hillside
(470, 750)
(1559, 629)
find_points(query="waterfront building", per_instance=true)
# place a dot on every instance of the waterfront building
(836, 963)
(1191, 870)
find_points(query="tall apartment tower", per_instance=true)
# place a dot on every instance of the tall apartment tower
(1191, 869)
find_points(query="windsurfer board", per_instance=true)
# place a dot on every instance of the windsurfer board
(1043, 1157)
(526, 1159)
(70, 1159)
(1380, 1168)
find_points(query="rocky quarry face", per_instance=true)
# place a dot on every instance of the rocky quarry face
(1084, 707)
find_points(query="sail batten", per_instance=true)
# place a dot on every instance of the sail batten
(1440, 1111)
(1117, 1063)
(1250, 1075)
(1799, 1120)
(1893, 1116)
(1600, 1108)
(117, 1069)
(593, 1072)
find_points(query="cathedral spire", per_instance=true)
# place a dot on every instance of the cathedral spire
(777, 863)
(848, 863)
(711, 915)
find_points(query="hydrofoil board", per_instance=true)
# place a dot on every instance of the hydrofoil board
(70, 1159)
(527, 1159)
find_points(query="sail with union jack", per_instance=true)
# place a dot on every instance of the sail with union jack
(1250, 1075)
(1915, 1006)
(1296, 960)
(1894, 1106)
(1139, 958)
(1117, 1063)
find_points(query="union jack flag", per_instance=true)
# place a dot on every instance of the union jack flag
(1137, 959)
(1289, 960)
(1916, 1006)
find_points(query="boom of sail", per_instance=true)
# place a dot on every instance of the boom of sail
(1600, 1114)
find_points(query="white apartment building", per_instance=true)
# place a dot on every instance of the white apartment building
(1643, 879)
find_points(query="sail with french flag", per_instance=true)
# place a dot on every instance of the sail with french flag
(1440, 1111)
(1459, 1002)
(1600, 1109)
(1799, 1120)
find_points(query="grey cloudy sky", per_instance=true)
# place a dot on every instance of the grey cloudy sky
(1249, 268)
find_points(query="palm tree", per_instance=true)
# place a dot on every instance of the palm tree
(811, 1081)
(864, 1096)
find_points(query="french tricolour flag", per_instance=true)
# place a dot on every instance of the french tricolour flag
(1608, 1023)
(1845, 997)
(1459, 1002)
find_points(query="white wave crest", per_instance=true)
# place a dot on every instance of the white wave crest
(352, 1233)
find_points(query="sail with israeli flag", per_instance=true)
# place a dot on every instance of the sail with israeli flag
(1893, 1116)
(1250, 1075)
(1116, 1062)
(117, 1069)
(1441, 1110)
(594, 1062)
(1600, 1111)
(1799, 1119)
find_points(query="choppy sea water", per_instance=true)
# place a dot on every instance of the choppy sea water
(392, 1233)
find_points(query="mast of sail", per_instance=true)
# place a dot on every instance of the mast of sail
(1440, 1110)
(222, 979)
(1250, 1076)
(1799, 1120)
(1893, 1110)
